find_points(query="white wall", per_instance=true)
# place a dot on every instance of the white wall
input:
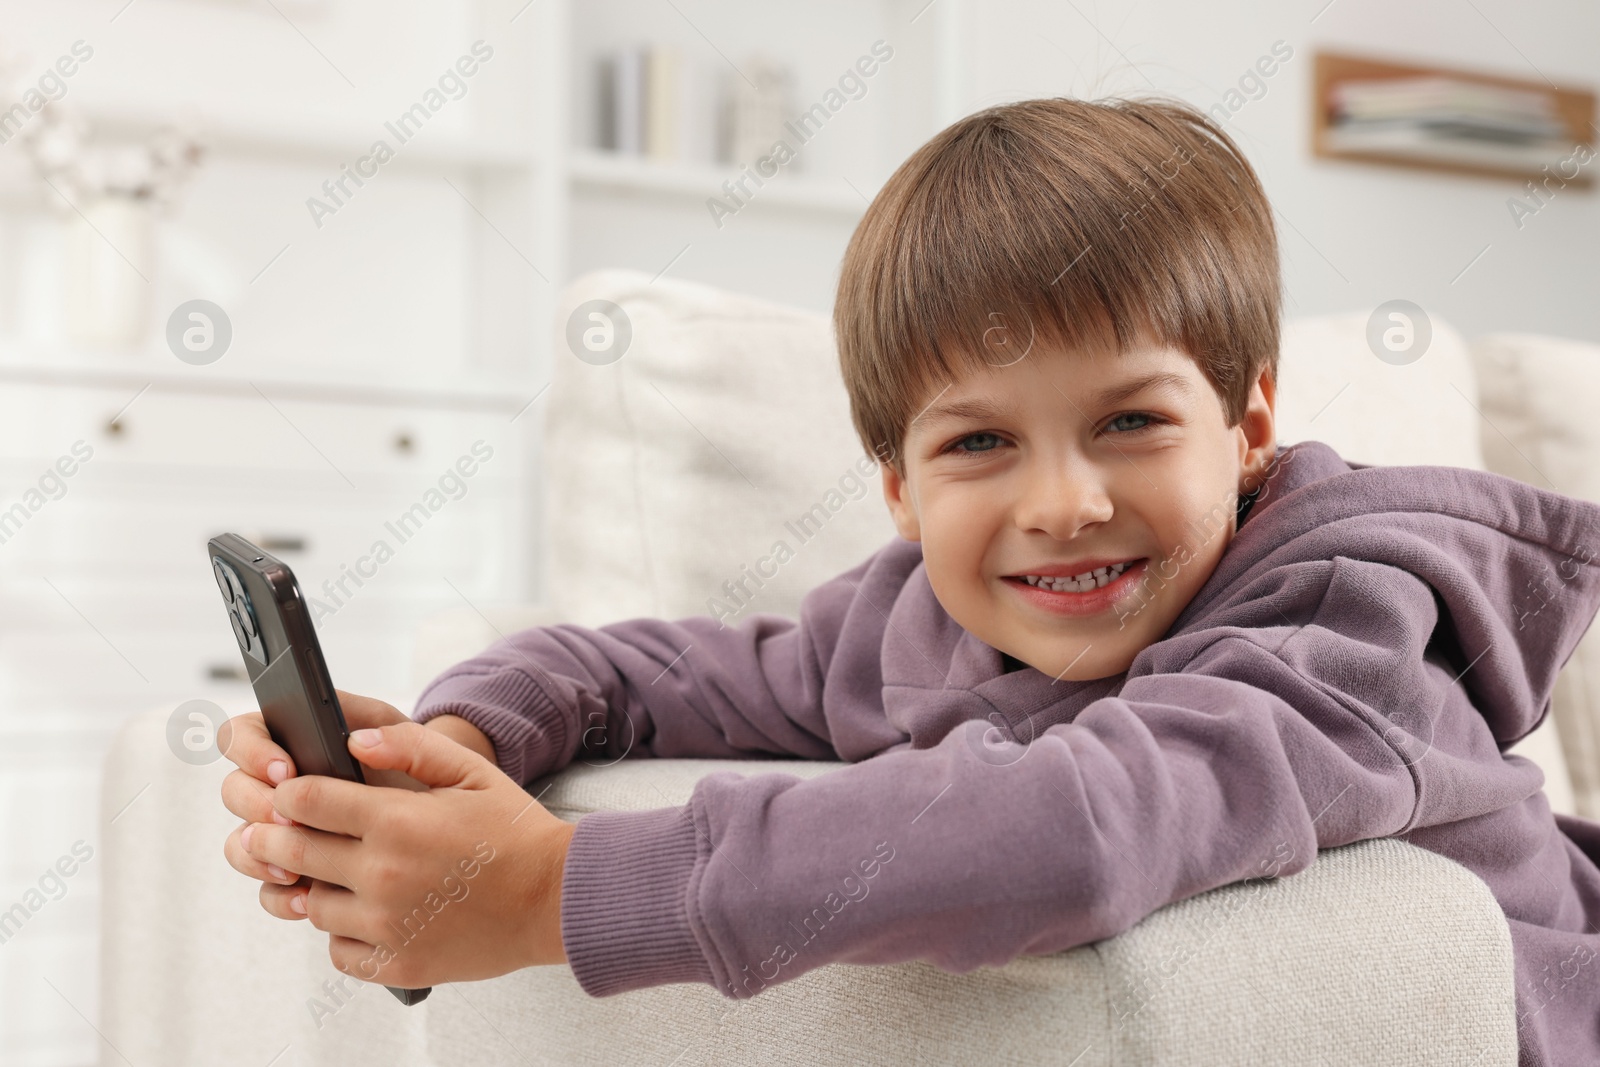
(1352, 235)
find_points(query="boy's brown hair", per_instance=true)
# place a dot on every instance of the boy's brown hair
(1058, 221)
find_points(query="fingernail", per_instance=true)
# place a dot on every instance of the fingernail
(277, 770)
(367, 738)
(277, 872)
(244, 837)
(297, 903)
(280, 820)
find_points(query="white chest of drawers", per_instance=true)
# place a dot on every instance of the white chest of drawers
(107, 604)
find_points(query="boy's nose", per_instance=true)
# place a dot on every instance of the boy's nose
(1061, 499)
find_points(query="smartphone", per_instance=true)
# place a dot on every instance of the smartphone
(272, 625)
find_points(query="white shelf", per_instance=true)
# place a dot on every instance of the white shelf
(589, 169)
(275, 139)
(135, 369)
(1425, 146)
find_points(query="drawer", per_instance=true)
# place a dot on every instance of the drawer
(131, 655)
(115, 529)
(341, 442)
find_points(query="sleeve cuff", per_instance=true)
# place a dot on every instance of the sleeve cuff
(526, 727)
(625, 901)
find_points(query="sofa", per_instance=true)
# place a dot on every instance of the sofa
(670, 468)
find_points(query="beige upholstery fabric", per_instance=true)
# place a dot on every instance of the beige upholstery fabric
(681, 463)
(1540, 400)
(1333, 389)
(193, 972)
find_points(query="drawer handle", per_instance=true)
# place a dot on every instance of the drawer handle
(271, 542)
(220, 672)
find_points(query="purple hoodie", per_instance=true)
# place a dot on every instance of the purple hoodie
(1371, 642)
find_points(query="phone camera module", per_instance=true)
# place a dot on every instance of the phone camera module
(241, 615)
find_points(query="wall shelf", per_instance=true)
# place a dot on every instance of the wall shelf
(136, 370)
(1424, 139)
(602, 170)
(277, 140)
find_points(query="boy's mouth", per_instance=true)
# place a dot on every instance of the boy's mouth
(1078, 578)
(1092, 589)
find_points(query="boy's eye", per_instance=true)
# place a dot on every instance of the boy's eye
(986, 441)
(980, 442)
(1149, 421)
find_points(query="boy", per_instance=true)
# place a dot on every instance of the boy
(1124, 649)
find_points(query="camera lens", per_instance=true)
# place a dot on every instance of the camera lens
(238, 630)
(241, 611)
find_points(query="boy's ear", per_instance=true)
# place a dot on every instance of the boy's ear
(1259, 429)
(897, 494)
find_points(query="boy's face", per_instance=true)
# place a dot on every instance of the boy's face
(1029, 469)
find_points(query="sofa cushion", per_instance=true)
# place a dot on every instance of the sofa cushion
(1332, 388)
(1539, 399)
(722, 431)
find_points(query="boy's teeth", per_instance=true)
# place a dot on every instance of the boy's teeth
(1081, 583)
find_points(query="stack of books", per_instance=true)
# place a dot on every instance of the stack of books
(654, 102)
(1445, 119)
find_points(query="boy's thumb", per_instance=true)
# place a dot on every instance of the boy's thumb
(411, 748)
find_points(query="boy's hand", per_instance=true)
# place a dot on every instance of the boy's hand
(248, 792)
(245, 741)
(460, 882)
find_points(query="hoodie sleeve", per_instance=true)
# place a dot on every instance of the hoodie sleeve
(1240, 761)
(669, 689)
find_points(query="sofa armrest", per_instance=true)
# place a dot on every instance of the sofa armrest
(1343, 959)
(193, 972)
(1341, 962)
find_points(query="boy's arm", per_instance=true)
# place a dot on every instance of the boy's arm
(770, 686)
(1241, 763)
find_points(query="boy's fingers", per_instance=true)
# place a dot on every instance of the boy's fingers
(361, 959)
(245, 741)
(240, 860)
(278, 900)
(331, 804)
(426, 755)
(302, 850)
(362, 711)
(333, 909)
(248, 797)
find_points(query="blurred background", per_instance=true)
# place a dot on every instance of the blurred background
(224, 307)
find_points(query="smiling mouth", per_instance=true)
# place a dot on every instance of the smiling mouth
(1087, 582)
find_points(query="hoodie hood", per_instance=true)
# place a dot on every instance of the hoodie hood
(1511, 566)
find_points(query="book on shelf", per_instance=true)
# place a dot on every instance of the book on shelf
(756, 107)
(1435, 116)
(620, 90)
(655, 102)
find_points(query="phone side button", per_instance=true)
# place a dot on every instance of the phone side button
(317, 672)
